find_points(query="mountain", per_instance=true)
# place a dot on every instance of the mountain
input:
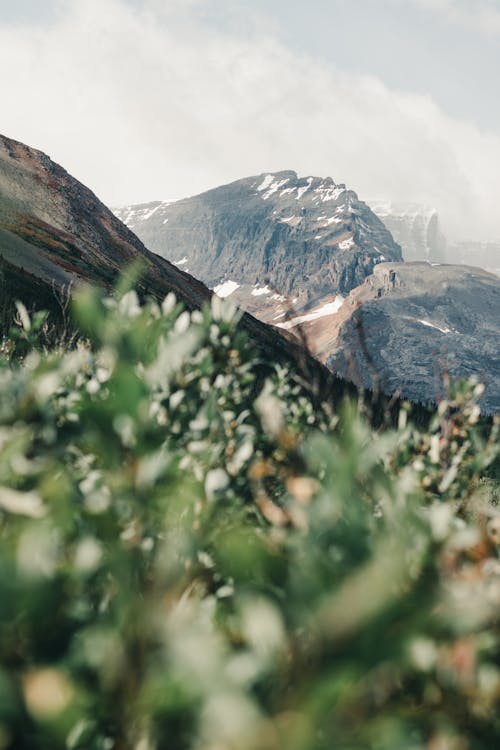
(269, 238)
(381, 324)
(56, 234)
(416, 228)
(411, 324)
(308, 256)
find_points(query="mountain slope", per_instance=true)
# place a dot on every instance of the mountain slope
(269, 236)
(54, 232)
(410, 325)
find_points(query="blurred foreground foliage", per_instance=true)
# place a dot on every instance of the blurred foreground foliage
(193, 556)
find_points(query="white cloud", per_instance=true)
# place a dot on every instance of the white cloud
(483, 15)
(153, 104)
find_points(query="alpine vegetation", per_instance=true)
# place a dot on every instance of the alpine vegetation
(197, 555)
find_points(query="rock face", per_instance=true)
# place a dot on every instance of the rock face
(269, 236)
(410, 324)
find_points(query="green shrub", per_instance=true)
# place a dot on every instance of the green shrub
(194, 557)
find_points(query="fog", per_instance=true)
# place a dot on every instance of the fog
(146, 101)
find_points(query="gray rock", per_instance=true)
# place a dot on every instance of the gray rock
(410, 325)
(303, 237)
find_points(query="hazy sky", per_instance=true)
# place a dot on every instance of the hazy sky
(154, 99)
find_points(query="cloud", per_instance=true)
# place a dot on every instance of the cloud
(152, 101)
(483, 15)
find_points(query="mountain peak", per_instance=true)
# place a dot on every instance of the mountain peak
(270, 236)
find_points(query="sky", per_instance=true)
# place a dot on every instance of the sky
(158, 99)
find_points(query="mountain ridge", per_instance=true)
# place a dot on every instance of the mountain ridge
(309, 236)
(53, 225)
(359, 284)
(411, 326)
(56, 234)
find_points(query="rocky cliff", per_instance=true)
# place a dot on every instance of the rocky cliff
(306, 255)
(267, 237)
(409, 326)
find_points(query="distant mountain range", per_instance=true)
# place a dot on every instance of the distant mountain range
(304, 254)
(418, 230)
(483, 253)
(308, 256)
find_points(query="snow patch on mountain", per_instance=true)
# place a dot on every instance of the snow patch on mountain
(347, 244)
(273, 188)
(329, 194)
(302, 190)
(226, 288)
(133, 216)
(435, 326)
(266, 182)
(330, 308)
(259, 291)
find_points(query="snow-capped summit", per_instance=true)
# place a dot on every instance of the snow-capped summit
(270, 240)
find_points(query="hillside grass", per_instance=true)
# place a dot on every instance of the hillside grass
(195, 554)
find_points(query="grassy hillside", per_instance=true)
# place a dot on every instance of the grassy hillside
(196, 553)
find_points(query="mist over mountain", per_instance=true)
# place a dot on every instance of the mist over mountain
(419, 231)
(417, 228)
(185, 103)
